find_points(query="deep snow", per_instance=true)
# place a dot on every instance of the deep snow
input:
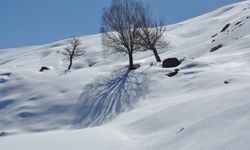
(205, 106)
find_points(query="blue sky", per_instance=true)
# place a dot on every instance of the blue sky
(34, 22)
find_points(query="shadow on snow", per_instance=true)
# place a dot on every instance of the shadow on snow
(108, 97)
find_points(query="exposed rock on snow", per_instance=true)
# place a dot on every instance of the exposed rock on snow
(170, 63)
(225, 28)
(216, 48)
(43, 69)
(171, 74)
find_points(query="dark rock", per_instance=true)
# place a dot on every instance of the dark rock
(171, 62)
(241, 25)
(214, 35)
(225, 28)
(216, 48)
(238, 23)
(213, 41)
(227, 81)
(181, 130)
(171, 74)
(44, 68)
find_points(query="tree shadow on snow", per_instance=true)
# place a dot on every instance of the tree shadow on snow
(109, 96)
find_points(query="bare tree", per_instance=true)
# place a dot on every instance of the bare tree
(73, 51)
(120, 27)
(152, 32)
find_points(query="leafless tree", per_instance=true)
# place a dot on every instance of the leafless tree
(152, 33)
(73, 51)
(120, 27)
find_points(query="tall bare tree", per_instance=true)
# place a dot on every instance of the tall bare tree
(73, 51)
(120, 27)
(152, 33)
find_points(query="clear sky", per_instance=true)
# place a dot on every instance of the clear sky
(34, 22)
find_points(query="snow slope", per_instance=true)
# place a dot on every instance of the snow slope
(205, 106)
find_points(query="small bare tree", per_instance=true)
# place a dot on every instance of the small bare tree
(152, 32)
(120, 27)
(73, 51)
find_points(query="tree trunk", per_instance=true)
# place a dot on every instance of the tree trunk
(70, 62)
(157, 57)
(131, 65)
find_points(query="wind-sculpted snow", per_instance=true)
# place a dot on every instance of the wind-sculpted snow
(109, 96)
(205, 106)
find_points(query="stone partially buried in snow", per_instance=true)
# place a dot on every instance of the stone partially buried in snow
(170, 63)
(225, 27)
(43, 68)
(171, 74)
(216, 48)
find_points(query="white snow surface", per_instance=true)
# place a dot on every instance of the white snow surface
(100, 106)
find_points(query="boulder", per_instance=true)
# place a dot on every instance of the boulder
(225, 28)
(170, 63)
(43, 68)
(227, 81)
(216, 48)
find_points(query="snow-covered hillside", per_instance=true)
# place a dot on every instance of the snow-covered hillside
(99, 105)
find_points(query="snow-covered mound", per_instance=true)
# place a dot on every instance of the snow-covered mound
(204, 106)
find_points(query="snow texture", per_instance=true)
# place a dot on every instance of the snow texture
(109, 96)
(203, 104)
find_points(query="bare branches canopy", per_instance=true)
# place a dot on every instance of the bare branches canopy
(127, 26)
(73, 51)
(152, 33)
(120, 27)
